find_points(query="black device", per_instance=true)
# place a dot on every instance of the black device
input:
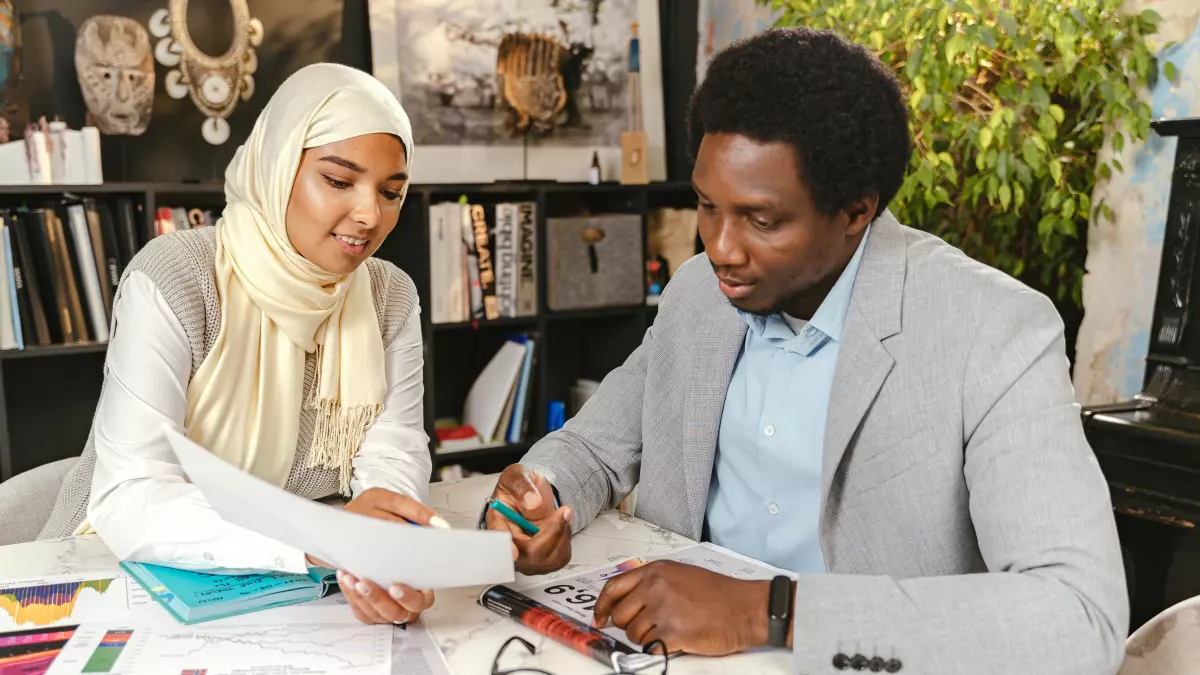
(779, 610)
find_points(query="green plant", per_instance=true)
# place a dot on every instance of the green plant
(1011, 102)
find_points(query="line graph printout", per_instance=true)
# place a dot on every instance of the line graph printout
(295, 649)
(71, 599)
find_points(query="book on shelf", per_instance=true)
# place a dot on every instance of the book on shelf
(87, 273)
(499, 403)
(104, 247)
(193, 597)
(60, 264)
(32, 314)
(126, 219)
(490, 270)
(66, 275)
(10, 330)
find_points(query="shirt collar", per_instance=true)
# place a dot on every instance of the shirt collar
(829, 318)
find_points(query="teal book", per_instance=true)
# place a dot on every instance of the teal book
(192, 597)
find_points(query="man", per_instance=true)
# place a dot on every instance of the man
(839, 395)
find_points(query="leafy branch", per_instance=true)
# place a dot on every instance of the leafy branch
(1011, 103)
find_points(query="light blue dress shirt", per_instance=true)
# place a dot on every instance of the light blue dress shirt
(765, 497)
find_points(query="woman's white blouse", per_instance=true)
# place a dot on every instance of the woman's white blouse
(142, 506)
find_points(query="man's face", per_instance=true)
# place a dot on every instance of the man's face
(771, 248)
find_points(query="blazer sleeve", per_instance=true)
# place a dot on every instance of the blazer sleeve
(594, 460)
(1055, 598)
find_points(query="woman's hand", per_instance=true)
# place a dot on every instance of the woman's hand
(400, 603)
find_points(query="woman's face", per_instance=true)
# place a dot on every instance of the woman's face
(346, 199)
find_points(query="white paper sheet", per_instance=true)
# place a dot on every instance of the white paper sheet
(382, 551)
(311, 649)
(415, 652)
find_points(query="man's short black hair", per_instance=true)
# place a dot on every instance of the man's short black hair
(834, 101)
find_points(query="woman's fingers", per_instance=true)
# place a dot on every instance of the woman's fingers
(388, 505)
(363, 610)
(411, 599)
(383, 603)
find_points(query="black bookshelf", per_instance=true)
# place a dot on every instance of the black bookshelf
(48, 395)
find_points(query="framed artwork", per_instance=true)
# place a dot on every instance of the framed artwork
(440, 58)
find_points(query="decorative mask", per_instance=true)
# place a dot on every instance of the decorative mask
(116, 73)
(533, 85)
(215, 83)
(10, 50)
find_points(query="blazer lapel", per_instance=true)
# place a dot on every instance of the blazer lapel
(718, 342)
(863, 361)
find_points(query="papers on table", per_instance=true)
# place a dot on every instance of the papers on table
(382, 551)
(576, 595)
(105, 622)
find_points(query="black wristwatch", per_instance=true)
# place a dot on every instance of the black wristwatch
(779, 611)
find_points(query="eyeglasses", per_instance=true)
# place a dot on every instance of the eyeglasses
(637, 668)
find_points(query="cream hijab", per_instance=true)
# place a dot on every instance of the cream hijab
(244, 401)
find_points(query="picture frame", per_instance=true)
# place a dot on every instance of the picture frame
(439, 58)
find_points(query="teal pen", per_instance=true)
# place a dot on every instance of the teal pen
(526, 526)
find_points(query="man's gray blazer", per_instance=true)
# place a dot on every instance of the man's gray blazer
(965, 524)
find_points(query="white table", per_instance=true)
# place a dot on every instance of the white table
(468, 634)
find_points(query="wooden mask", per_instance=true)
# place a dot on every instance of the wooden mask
(116, 73)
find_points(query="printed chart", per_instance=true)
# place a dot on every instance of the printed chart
(30, 652)
(48, 604)
(349, 649)
(72, 599)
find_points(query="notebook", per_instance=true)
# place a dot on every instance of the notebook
(192, 597)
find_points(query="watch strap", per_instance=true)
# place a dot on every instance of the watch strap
(779, 611)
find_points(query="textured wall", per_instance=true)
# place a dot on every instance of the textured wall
(1123, 255)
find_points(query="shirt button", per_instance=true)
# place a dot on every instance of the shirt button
(208, 556)
(769, 430)
(279, 562)
(773, 509)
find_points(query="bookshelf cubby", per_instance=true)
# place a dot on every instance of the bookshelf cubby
(48, 395)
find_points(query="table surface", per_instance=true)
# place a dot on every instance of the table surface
(468, 634)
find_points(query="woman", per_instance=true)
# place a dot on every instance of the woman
(274, 340)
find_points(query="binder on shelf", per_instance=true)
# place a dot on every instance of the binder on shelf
(34, 327)
(127, 230)
(103, 276)
(8, 333)
(12, 288)
(67, 293)
(112, 255)
(89, 275)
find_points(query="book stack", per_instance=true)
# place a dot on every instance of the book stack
(60, 268)
(193, 597)
(499, 403)
(171, 218)
(483, 261)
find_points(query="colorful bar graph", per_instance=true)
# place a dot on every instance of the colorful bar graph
(108, 651)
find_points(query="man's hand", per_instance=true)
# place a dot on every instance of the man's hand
(400, 603)
(529, 494)
(689, 608)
